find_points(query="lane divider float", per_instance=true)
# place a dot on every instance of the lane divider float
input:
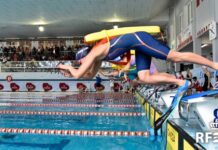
(119, 114)
(75, 132)
(70, 105)
(89, 100)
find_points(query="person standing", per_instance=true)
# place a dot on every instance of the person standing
(112, 84)
(189, 75)
(207, 83)
(216, 84)
(98, 80)
(181, 77)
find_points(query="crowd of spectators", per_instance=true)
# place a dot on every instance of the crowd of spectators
(37, 54)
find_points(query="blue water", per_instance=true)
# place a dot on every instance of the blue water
(54, 142)
(45, 142)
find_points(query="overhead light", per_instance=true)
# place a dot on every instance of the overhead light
(39, 22)
(115, 18)
(41, 28)
(115, 27)
(204, 45)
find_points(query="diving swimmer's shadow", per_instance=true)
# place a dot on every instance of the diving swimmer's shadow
(57, 146)
(8, 136)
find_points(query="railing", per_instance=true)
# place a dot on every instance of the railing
(32, 66)
(38, 66)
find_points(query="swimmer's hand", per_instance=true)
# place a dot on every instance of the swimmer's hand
(66, 70)
(63, 67)
(65, 73)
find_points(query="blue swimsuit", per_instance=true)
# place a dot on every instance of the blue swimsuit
(144, 45)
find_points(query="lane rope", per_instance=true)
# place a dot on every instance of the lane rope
(89, 100)
(70, 105)
(75, 132)
(119, 114)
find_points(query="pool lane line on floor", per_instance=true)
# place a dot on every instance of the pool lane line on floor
(117, 114)
(70, 105)
(76, 132)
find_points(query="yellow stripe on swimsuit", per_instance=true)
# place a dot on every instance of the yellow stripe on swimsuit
(120, 31)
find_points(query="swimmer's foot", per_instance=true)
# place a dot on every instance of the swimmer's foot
(216, 66)
(182, 83)
(182, 89)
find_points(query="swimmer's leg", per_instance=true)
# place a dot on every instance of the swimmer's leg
(143, 63)
(150, 46)
(190, 57)
(165, 74)
(146, 78)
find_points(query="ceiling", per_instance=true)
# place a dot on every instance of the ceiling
(21, 18)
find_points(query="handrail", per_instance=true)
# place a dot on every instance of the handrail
(38, 66)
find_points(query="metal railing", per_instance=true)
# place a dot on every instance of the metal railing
(38, 66)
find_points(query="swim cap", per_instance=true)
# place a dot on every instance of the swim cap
(82, 52)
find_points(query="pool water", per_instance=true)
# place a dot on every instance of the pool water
(39, 142)
(61, 142)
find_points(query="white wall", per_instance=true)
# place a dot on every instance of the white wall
(204, 13)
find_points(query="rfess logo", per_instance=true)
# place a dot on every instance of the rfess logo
(206, 137)
(214, 124)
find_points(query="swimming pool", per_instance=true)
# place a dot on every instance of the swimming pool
(72, 115)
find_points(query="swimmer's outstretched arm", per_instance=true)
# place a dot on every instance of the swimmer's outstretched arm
(84, 68)
(73, 72)
(66, 73)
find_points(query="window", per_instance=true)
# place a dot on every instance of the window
(190, 13)
(171, 32)
(180, 22)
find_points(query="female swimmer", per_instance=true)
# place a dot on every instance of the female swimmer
(145, 47)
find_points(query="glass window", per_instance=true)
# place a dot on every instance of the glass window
(189, 12)
(180, 22)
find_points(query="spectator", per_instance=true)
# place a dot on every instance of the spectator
(48, 53)
(181, 76)
(15, 57)
(189, 75)
(126, 84)
(196, 83)
(216, 84)
(98, 80)
(207, 83)
(112, 84)
(1, 51)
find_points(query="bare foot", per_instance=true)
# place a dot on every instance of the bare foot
(216, 66)
(182, 82)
